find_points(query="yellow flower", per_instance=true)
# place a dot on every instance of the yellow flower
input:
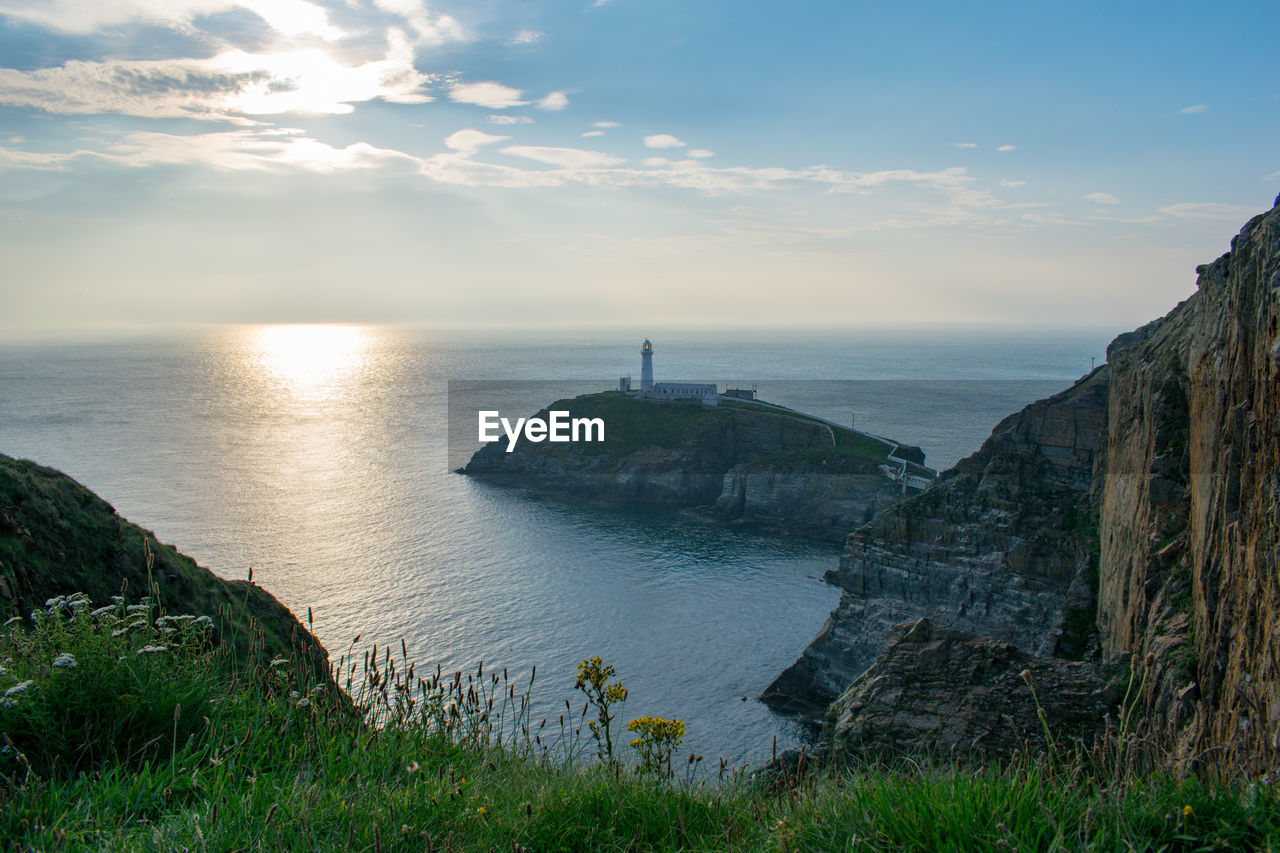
(1186, 811)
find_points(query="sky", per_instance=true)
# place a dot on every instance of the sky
(536, 163)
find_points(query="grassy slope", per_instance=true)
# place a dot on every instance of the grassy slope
(57, 538)
(251, 757)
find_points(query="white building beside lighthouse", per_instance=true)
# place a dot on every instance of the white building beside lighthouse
(650, 390)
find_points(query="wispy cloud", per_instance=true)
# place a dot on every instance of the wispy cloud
(1193, 109)
(571, 159)
(494, 96)
(1007, 148)
(506, 119)
(432, 28)
(289, 17)
(227, 85)
(470, 141)
(1208, 210)
(591, 133)
(700, 153)
(1102, 198)
(554, 101)
(605, 125)
(525, 37)
(966, 145)
(1011, 183)
(664, 140)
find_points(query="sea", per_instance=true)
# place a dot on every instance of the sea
(322, 457)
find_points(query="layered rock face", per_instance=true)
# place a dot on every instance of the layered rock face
(1140, 506)
(809, 502)
(1001, 546)
(944, 693)
(1190, 503)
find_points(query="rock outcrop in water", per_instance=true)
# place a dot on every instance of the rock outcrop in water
(1132, 516)
(736, 462)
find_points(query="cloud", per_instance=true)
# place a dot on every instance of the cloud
(525, 37)
(909, 198)
(966, 145)
(1273, 176)
(565, 158)
(495, 96)
(1193, 109)
(1208, 210)
(1103, 198)
(593, 133)
(1007, 148)
(501, 119)
(470, 141)
(81, 17)
(554, 101)
(233, 83)
(700, 153)
(237, 150)
(1009, 183)
(605, 125)
(432, 29)
(664, 140)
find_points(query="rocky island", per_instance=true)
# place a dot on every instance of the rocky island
(739, 461)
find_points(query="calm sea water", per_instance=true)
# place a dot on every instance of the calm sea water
(317, 455)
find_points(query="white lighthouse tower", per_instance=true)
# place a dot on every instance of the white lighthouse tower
(646, 367)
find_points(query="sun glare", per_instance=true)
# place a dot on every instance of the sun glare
(311, 360)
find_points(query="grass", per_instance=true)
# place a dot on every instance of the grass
(199, 749)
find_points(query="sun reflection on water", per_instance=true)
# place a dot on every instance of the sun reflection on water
(311, 361)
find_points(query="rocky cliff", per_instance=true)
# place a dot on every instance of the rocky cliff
(1000, 546)
(1190, 503)
(1132, 516)
(739, 463)
(57, 538)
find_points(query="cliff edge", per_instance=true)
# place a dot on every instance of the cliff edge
(1132, 518)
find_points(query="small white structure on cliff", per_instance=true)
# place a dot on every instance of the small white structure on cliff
(650, 390)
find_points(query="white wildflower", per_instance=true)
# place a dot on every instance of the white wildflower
(119, 631)
(204, 620)
(55, 602)
(78, 600)
(140, 623)
(146, 650)
(18, 688)
(163, 620)
(183, 617)
(304, 703)
(103, 611)
(118, 599)
(293, 694)
(137, 608)
(65, 661)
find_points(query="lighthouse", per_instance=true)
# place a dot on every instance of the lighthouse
(646, 367)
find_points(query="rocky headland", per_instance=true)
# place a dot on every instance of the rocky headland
(737, 462)
(1128, 524)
